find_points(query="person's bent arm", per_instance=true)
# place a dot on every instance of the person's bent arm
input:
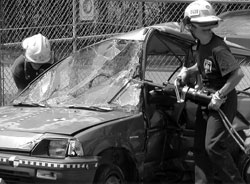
(19, 83)
(186, 73)
(220, 96)
(233, 80)
(193, 70)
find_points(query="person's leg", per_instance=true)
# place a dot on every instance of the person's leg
(216, 145)
(203, 166)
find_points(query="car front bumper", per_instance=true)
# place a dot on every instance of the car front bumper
(25, 169)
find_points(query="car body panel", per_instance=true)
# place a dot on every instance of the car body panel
(24, 169)
(128, 133)
(56, 120)
(243, 109)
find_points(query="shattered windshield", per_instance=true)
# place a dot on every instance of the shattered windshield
(103, 75)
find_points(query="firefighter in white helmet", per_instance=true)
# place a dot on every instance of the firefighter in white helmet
(220, 73)
(37, 58)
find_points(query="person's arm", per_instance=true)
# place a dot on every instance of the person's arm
(19, 83)
(18, 73)
(219, 97)
(230, 67)
(193, 70)
(185, 73)
(234, 79)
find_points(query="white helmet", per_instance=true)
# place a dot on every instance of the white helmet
(201, 12)
(37, 48)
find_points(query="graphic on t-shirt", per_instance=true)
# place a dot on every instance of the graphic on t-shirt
(207, 66)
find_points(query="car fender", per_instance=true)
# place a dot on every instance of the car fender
(127, 133)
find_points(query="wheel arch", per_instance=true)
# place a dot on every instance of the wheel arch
(120, 158)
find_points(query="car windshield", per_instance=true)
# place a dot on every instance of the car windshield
(102, 76)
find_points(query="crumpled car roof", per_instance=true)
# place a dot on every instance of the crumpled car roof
(239, 44)
(168, 27)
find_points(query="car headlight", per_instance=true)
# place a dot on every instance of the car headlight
(75, 148)
(58, 148)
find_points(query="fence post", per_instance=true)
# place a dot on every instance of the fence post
(74, 27)
(1, 55)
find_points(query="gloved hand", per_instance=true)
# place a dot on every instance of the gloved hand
(216, 101)
(247, 140)
(182, 76)
(247, 145)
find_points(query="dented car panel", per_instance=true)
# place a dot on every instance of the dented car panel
(90, 118)
(58, 120)
(126, 133)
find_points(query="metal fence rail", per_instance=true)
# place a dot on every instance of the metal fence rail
(73, 24)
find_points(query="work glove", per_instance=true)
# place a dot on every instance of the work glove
(216, 101)
(247, 145)
(182, 76)
(247, 141)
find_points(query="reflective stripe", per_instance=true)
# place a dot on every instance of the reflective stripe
(50, 164)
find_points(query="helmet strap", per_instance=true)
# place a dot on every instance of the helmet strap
(193, 35)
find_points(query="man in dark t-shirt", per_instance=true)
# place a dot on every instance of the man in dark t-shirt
(220, 73)
(37, 58)
(215, 63)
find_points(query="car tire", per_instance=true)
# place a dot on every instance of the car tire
(244, 166)
(110, 175)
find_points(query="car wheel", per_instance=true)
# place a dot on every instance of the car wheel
(244, 167)
(110, 175)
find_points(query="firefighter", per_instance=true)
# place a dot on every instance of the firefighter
(220, 73)
(36, 59)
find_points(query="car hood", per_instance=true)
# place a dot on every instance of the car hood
(52, 120)
(22, 127)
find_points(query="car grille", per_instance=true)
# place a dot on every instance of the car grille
(15, 177)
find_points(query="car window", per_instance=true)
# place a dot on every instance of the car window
(164, 57)
(160, 67)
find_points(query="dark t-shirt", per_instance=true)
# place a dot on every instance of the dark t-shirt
(215, 63)
(22, 74)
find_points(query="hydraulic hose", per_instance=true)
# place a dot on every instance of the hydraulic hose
(204, 98)
(235, 135)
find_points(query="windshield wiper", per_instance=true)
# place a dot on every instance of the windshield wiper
(93, 108)
(29, 105)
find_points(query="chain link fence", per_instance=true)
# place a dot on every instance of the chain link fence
(73, 24)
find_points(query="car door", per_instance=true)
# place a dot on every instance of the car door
(160, 64)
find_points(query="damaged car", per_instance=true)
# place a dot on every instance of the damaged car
(110, 113)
